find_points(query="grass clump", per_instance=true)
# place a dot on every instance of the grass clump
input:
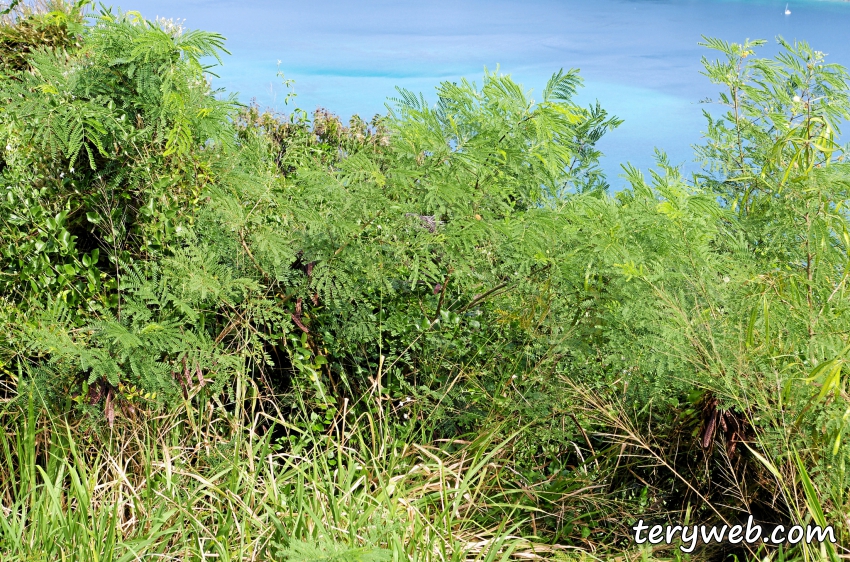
(228, 489)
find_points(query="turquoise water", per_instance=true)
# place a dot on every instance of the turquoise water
(639, 58)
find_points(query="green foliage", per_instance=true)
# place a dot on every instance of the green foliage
(106, 148)
(23, 30)
(518, 342)
(224, 489)
(157, 338)
(299, 551)
(401, 243)
(763, 325)
(791, 211)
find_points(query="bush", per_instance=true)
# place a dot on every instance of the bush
(453, 276)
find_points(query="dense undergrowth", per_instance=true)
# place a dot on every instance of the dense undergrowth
(437, 335)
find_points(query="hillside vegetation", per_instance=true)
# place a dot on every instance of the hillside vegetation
(234, 334)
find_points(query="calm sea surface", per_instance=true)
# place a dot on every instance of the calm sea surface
(639, 58)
